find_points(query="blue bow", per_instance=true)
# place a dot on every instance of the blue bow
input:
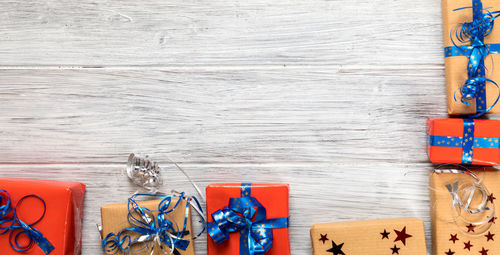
(248, 216)
(10, 223)
(474, 33)
(151, 230)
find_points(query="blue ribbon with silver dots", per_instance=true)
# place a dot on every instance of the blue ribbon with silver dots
(10, 223)
(475, 32)
(249, 217)
(152, 230)
(468, 142)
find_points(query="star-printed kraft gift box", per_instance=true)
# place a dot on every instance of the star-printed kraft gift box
(55, 208)
(456, 61)
(262, 211)
(374, 237)
(114, 219)
(452, 230)
(464, 141)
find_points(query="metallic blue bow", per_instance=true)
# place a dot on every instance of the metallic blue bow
(152, 230)
(474, 33)
(10, 223)
(248, 216)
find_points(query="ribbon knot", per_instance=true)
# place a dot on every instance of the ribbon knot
(153, 231)
(12, 224)
(249, 217)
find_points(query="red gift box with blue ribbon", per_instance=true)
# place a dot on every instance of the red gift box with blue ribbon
(248, 219)
(464, 141)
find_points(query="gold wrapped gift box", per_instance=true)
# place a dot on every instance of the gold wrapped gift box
(374, 237)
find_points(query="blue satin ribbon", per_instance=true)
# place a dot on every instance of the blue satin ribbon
(249, 217)
(474, 33)
(151, 228)
(468, 142)
(10, 223)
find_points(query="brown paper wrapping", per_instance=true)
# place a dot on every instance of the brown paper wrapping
(456, 67)
(374, 237)
(114, 219)
(455, 238)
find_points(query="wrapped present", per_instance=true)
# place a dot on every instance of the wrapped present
(463, 212)
(379, 237)
(464, 141)
(40, 217)
(471, 47)
(248, 219)
(160, 226)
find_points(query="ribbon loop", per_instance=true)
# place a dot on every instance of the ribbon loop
(10, 223)
(249, 217)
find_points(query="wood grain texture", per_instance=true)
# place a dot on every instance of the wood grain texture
(219, 32)
(329, 96)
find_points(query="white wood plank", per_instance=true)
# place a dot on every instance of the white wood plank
(320, 192)
(79, 33)
(234, 116)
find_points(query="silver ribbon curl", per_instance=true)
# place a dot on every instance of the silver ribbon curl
(462, 197)
(144, 172)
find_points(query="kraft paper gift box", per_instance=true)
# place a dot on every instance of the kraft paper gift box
(114, 220)
(60, 225)
(464, 141)
(374, 237)
(457, 61)
(452, 235)
(265, 205)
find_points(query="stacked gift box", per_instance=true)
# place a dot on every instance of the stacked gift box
(463, 199)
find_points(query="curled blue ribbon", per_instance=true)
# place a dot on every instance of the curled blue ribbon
(474, 33)
(152, 230)
(10, 223)
(248, 216)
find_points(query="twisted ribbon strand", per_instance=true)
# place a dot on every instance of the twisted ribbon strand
(10, 223)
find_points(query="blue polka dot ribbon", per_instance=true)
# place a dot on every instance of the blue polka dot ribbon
(151, 230)
(468, 142)
(474, 33)
(249, 217)
(10, 223)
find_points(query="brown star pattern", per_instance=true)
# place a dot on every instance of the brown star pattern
(323, 238)
(470, 228)
(385, 234)
(484, 251)
(454, 238)
(468, 245)
(395, 250)
(492, 220)
(402, 236)
(491, 198)
(449, 252)
(489, 236)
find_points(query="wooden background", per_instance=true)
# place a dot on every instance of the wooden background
(329, 96)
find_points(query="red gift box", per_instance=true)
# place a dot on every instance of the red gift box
(464, 141)
(273, 197)
(61, 224)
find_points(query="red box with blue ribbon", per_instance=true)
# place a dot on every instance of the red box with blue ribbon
(464, 141)
(40, 217)
(248, 219)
